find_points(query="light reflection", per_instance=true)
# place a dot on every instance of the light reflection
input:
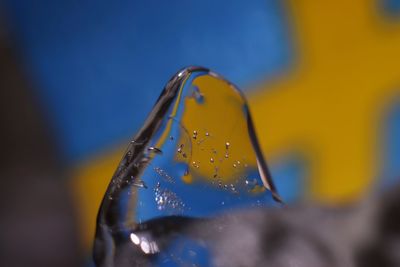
(148, 247)
(135, 239)
(145, 246)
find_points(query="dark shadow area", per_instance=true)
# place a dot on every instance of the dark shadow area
(37, 223)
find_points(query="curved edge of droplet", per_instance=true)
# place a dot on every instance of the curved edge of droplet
(262, 164)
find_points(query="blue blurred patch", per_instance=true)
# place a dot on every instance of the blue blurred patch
(99, 67)
(289, 176)
(391, 7)
(391, 160)
(184, 252)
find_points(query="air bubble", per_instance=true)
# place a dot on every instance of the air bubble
(227, 144)
(140, 184)
(164, 175)
(154, 150)
(198, 95)
(195, 164)
(186, 173)
(167, 199)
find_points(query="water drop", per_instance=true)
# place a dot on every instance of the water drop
(195, 103)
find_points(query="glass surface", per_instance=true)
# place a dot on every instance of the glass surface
(196, 156)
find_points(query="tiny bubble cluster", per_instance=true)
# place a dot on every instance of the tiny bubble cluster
(167, 200)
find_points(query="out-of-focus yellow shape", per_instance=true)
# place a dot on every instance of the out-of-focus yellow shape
(330, 104)
(88, 186)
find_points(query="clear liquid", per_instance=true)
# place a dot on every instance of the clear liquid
(196, 156)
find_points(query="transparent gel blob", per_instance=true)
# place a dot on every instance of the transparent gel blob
(195, 157)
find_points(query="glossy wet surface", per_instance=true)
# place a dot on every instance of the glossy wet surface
(196, 156)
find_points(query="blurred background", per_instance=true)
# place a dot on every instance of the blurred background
(78, 78)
